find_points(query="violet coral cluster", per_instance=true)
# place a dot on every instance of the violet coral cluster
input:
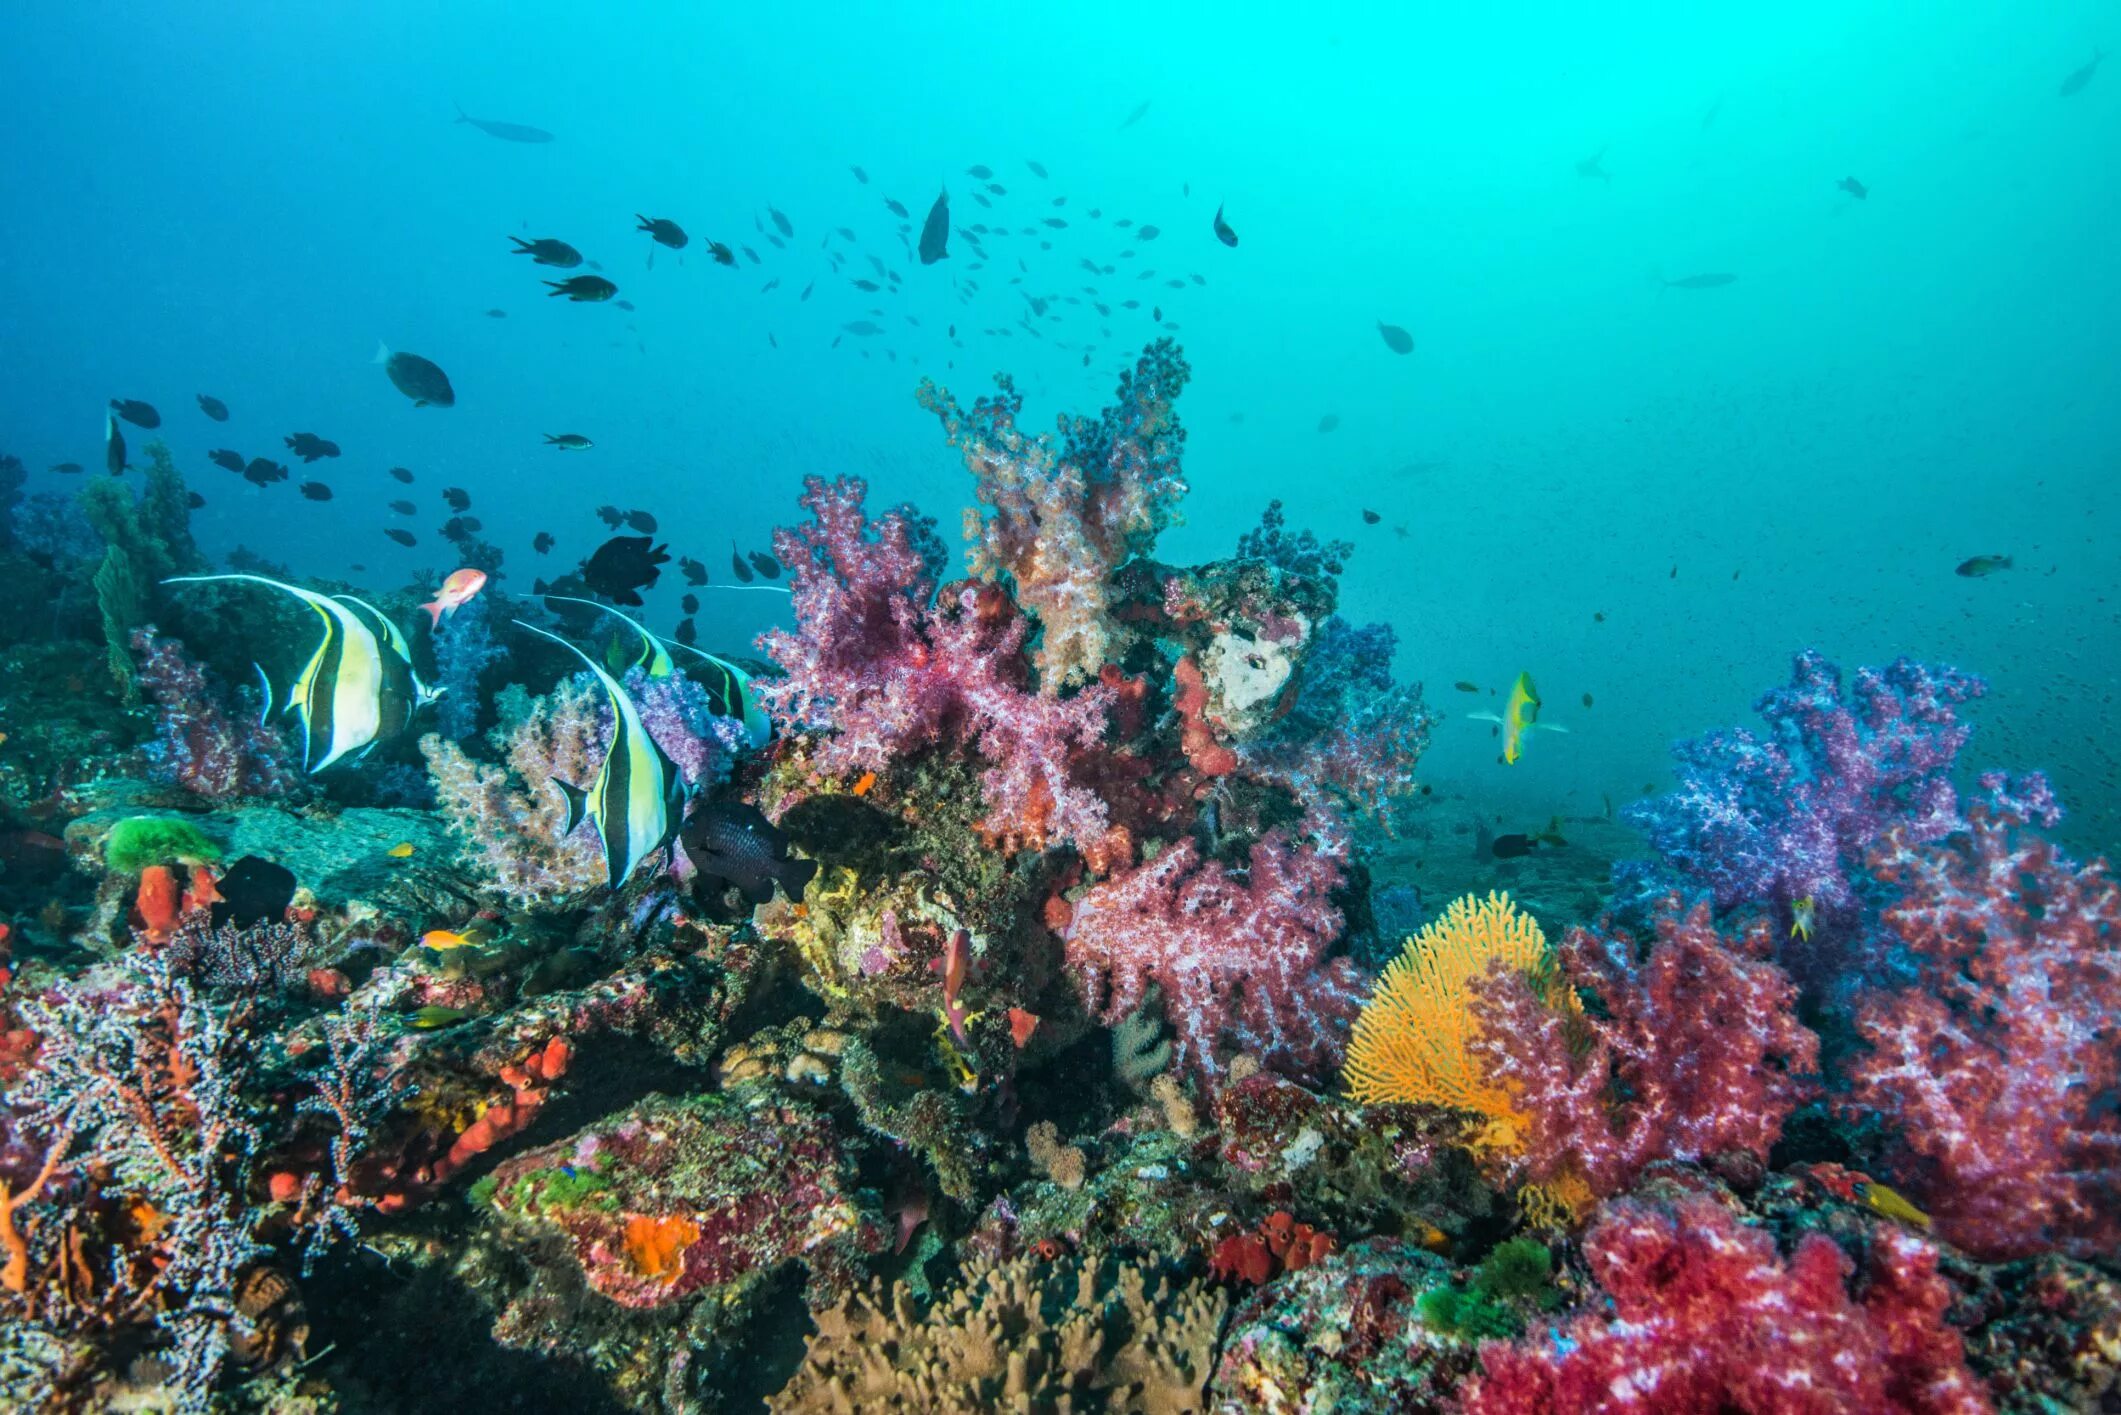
(1057, 521)
(1788, 815)
(1998, 1068)
(202, 742)
(882, 673)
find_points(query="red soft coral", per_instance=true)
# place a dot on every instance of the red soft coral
(1699, 1052)
(1236, 956)
(1999, 1069)
(885, 676)
(1707, 1319)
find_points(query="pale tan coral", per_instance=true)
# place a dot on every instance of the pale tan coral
(1022, 1336)
(1179, 1116)
(510, 821)
(1062, 1163)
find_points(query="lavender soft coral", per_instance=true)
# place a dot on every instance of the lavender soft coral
(1058, 521)
(1789, 815)
(202, 743)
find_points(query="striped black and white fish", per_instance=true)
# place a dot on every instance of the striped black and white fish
(728, 686)
(358, 686)
(638, 797)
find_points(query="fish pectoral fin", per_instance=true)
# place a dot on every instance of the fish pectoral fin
(265, 681)
(577, 804)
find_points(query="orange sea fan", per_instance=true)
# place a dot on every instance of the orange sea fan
(1410, 1041)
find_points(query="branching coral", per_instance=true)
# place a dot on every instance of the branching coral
(1998, 1070)
(1698, 1052)
(1058, 521)
(1015, 1336)
(1239, 959)
(1706, 1318)
(1352, 735)
(1790, 815)
(885, 677)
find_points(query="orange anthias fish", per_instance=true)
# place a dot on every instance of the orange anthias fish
(443, 940)
(456, 592)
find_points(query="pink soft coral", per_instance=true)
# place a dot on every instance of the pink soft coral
(1237, 956)
(1999, 1069)
(883, 676)
(1707, 1319)
(1699, 1052)
(202, 743)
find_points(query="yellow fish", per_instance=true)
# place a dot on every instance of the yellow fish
(1520, 717)
(400, 851)
(1890, 1203)
(1802, 914)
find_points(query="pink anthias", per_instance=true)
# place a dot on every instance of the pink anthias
(457, 591)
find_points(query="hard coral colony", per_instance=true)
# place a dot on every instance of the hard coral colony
(1005, 1009)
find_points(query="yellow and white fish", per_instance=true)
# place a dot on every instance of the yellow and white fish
(1519, 719)
(638, 798)
(358, 687)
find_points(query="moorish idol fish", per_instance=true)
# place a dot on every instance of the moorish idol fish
(1519, 718)
(358, 687)
(638, 798)
(728, 686)
(654, 658)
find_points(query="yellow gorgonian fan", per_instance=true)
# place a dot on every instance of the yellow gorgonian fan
(1410, 1042)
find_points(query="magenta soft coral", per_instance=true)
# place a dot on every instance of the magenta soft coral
(1237, 956)
(1707, 1318)
(1998, 1070)
(885, 676)
(1699, 1052)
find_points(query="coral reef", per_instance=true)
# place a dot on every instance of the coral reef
(1997, 1071)
(202, 743)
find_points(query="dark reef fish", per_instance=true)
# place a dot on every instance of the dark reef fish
(623, 566)
(1594, 166)
(2074, 82)
(583, 289)
(402, 536)
(638, 796)
(733, 844)
(721, 253)
(542, 542)
(641, 521)
(137, 413)
(316, 491)
(113, 446)
(568, 441)
(1223, 232)
(252, 892)
(212, 407)
(694, 572)
(262, 471)
(611, 516)
(1396, 339)
(403, 474)
(935, 231)
(1141, 111)
(310, 447)
(765, 564)
(738, 567)
(506, 132)
(896, 209)
(74, 469)
(404, 508)
(1982, 565)
(1853, 187)
(663, 231)
(419, 379)
(860, 175)
(780, 222)
(547, 251)
(458, 498)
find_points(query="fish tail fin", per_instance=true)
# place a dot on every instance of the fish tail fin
(382, 353)
(435, 610)
(462, 116)
(577, 804)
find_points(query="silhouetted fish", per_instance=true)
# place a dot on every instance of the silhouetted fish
(418, 379)
(316, 491)
(641, 521)
(1141, 111)
(223, 458)
(780, 223)
(1396, 339)
(732, 843)
(737, 566)
(213, 408)
(458, 498)
(583, 289)
(547, 251)
(402, 537)
(402, 474)
(506, 132)
(663, 231)
(2078, 78)
(1223, 232)
(935, 232)
(137, 413)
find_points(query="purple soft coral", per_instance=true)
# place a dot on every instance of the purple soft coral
(885, 675)
(1787, 817)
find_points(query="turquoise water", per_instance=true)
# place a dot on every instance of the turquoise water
(244, 203)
